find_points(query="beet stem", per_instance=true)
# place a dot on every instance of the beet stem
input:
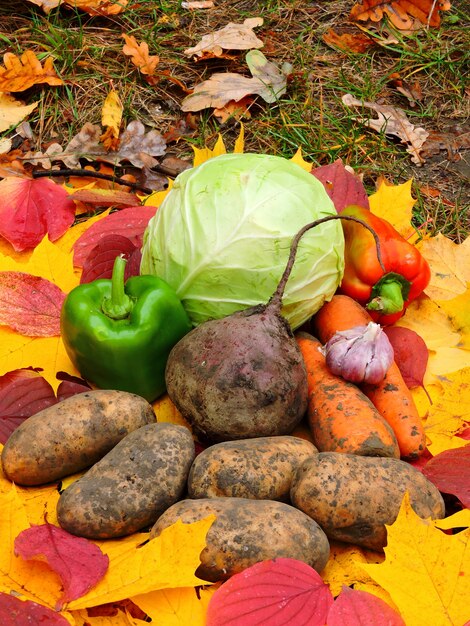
(275, 302)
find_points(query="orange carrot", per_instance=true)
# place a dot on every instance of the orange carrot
(391, 397)
(340, 416)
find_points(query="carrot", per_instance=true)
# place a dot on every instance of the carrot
(340, 416)
(391, 397)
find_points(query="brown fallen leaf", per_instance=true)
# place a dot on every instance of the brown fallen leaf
(111, 117)
(393, 121)
(452, 142)
(348, 42)
(268, 81)
(136, 146)
(230, 37)
(197, 4)
(234, 110)
(46, 5)
(21, 73)
(412, 92)
(139, 53)
(98, 7)
(403, 14)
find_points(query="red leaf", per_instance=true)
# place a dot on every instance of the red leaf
(99, 263)
(79, 563)
(22, 393)
(16, 612)
(133, 264)
(360, 608)
(450, 472)
(130, 223)
(411, 354)
(279, 592)
(30, 209)
(343, 187)
(70, 386)
(30, 304)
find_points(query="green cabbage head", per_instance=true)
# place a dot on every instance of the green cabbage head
(222, 235)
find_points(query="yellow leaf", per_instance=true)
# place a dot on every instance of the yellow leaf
(119, 619)
(99, 7)
(343, 566)
(167, 561)
(33, 579)
(394, 203)
(176, 607)
(139, 54)
(458, 312)
(299, 159)
(157, 197)
(461, 519)
(450, 266)
(111, 116)
(449, 412)
(425, 571)
(48, 353)
(13, 111)
(47, 260)
(166, 411)
(21, 73)
(204, 154)
(239, 146)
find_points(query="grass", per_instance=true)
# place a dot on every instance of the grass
(88, 56)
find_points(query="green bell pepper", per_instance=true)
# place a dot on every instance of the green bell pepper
(119, 335)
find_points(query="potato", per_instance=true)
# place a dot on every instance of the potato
(260, 468)
(247, 531)
(353, 497)
(72, 435)
(131, 486)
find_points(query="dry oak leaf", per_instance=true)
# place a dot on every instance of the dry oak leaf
(434, 590)
(230, 37)
(136, 146)
(401, 13)
(393, 121)
(46, 5)
(139, 53)
(13, 111)
(450, 266)
(349, 42)
(21, 73)
(268, 81)
(394, 203)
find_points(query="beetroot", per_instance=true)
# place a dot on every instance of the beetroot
(243, 375)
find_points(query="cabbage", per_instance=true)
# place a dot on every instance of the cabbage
(222, 235)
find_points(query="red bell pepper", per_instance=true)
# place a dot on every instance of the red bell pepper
(385, 287)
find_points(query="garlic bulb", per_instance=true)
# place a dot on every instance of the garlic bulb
(362, 354)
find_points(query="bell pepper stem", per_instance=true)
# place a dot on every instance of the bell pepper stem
(119, 305)
(389, 298)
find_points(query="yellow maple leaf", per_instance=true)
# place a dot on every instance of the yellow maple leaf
(121, 618)
(458, 312)
(47, 260)
(68, 239)
(21, 73)
(165, 562)
(176, 607)
(33, 579)
(139, 54)
(461, 519)
(47, 353)
(450, 266)
(299, 159)
(13, 111)
(343, 566)
(425, 571)
(394, 203)
(449, 413)
(166, 411)
(204, 154)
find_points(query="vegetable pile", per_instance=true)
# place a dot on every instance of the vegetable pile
(244, 251)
